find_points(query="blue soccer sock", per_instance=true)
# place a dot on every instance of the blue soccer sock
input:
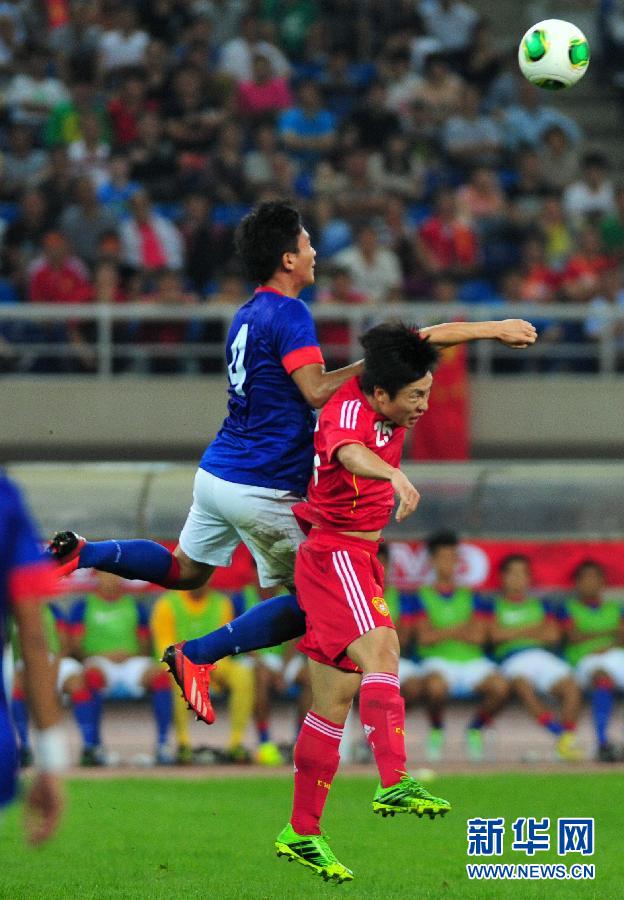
(144, 560)
(267, 624)
(162, 705)
(87, 708)
(602, 707)
(19, 714)
(550, 723)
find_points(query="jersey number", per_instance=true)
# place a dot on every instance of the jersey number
(317, 464)
(236, 369)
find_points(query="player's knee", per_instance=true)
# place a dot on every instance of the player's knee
(379, 651)
(498, 688)
(435, 688)
(159, 681)
(94, 679)
(411, 690)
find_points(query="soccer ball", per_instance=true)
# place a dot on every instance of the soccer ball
(553, 54)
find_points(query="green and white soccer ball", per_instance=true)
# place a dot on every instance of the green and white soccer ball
(553, 54)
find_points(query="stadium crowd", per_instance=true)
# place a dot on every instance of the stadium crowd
(457, 644)
(134, 135)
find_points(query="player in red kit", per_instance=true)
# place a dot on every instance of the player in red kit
(350, 639)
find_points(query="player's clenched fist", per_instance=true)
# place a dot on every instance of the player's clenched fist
(516, 333)
(407, 494)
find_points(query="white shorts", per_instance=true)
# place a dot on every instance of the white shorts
(123, 679)
(462, 677)
(540, 667)
(224, 513)
(611, 662)
(275, 663)
(67, 668)
(409, 669)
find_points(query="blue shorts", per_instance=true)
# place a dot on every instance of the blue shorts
(8, 757)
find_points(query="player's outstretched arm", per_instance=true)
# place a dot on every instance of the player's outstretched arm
(318, 386)
(514, 333)
(359, 460)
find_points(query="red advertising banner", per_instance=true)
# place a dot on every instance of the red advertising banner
(553, 562)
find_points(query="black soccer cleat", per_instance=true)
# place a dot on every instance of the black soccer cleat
(64, 549)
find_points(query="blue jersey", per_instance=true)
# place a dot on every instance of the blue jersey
(266, 439)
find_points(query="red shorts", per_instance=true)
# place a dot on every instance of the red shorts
(339, 583)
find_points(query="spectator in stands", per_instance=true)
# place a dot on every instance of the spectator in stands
(449, 625)
(374, 123)
(526, 634)
(9, 47)
(64, 124)
(115, 192)
(227, 172)
(560, 159)
(23, 166)
(257, 162)
(608, 297)
(444, 243)
(581, 276)
(397, 169)
(59, 180)
(357, 198)
(56, 276)
(556, 230)
(169, 292)
(153, 160)
(332, 232)
(155, 72)
(471, 137)
(123, 45)
(150, 242)
(236, 57)
(191, 119)
(375, 270)
(184, 615)
(452, 22)
(440, 90)
(32, 92)
(593, 193)
(266, 93)
(612, 226)
(85, 221)
(529, 189)
(342, 82)
(207, 246)
(89, 154)
(307, 130)
(126, 108)
(402, 82)
(540, 282)
(481, 199)
(484, 63)
(24, 236)
(335, 335)
(110, 634)
(528, 121)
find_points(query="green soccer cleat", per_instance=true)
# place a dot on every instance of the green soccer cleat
(312, 851)
(408, 796)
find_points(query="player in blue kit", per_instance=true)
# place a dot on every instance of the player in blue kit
(260, 462)
(26, 578)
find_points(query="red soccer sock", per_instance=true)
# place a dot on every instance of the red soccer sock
(316, 763)
(382, 713)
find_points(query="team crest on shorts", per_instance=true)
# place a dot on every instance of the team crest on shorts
(381, 606)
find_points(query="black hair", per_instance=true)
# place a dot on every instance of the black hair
(271, 229)
(512, 558)
(383, 553)
(588, 564)
(441, 539)
(595, 158)
(395, 355)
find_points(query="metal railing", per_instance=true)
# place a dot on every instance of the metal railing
(35, 331)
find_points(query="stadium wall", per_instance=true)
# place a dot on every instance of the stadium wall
(119, 419)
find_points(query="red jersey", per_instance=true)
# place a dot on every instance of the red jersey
(336, 498)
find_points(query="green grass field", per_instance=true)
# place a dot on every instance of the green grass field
(214, 838)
